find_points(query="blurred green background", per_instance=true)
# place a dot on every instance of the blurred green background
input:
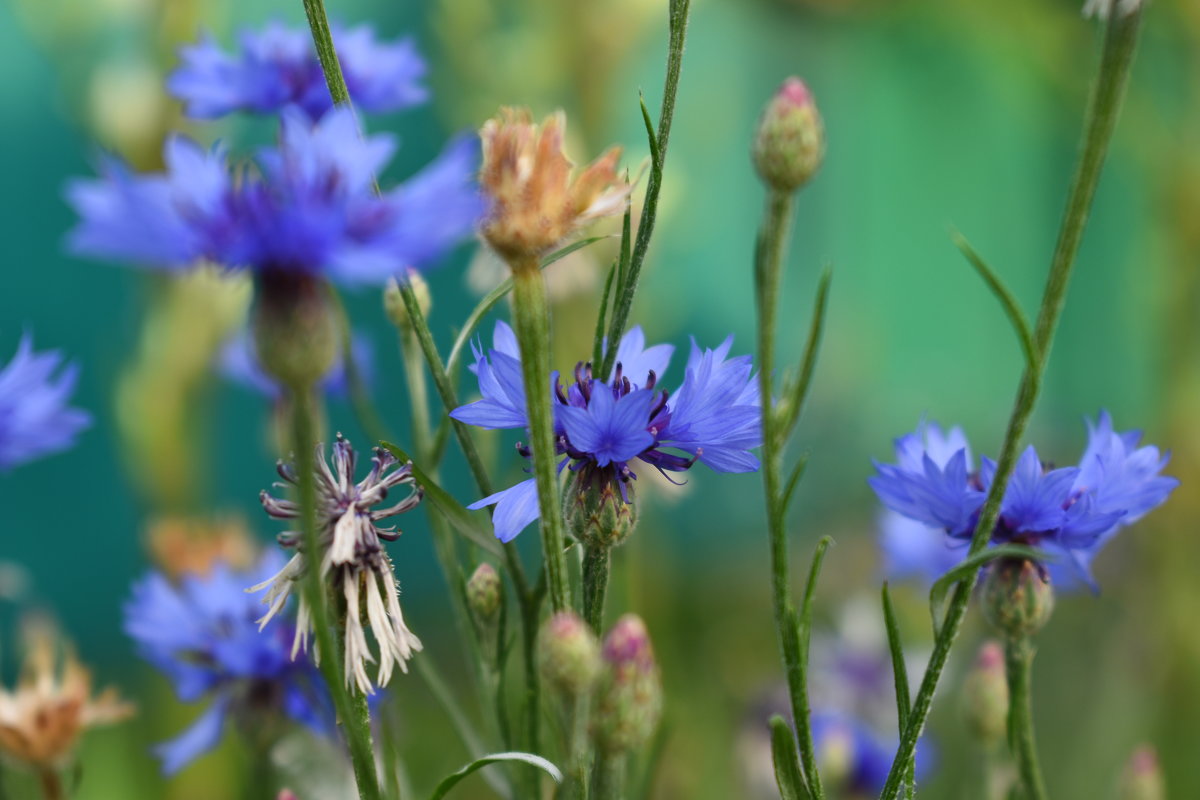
(938, 114)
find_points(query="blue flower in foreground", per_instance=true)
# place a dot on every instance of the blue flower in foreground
(239, 363)
(277, 68)
(1070, 512)
(310, 209)
(35, 419)
(203, 635)
(604, 426)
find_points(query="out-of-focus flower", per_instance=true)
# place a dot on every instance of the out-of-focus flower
(35, 419)
(484, 592)
(601, 427)
(354, 564)
(536, 202)
(568, 654)
(985, 696)
(277, 68)
(1143, 777)
(239, 362)
(202, 634)
(182, 545)
(629, 691)
(312, 210)
(1100, 8)
(1070, 512)
(51, 706)
(126, 106)
(790, 142)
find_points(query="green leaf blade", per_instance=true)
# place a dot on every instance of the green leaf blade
(452, 780)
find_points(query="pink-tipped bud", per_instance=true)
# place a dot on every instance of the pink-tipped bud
(483, 592)
(629, 696)
(1143, 778)
(568, 654)
(985, 696)
(286, 794)
(790, 142)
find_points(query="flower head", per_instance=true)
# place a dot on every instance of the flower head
(536, 202)
(277, 68)
(1070, 512)
(35, 419)
(603, 428)
(354, 561)
(202, 634)
(43, 716)
(310, 209)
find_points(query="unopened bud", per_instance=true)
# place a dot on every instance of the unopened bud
(394, 305)
(568, 654)
(985, 696)
(629, 695)
(296, 331)
(483, 592)
(1017, 597)
(790, 142)
(286, 794)
(1143, 778)
(596, 512)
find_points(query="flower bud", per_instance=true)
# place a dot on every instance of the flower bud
(629, 695)
(483, 592)
(1017, 597)
(790, 142)
(393, 303)
(296, 331)
(568, 654)
(1143, 778)
(985, 696)
(596, 513)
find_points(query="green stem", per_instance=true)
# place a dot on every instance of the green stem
(772, 243)
(575, 784)
(1103, 109)
(627, 289)
(531, 318)
(351, 712)
(596, 564)
(608, 777)
(318, 23)
(52, 788)
(1018, 661)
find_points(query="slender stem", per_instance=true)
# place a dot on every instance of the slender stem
(318, 23)
(575, 785)
(608, 777)
(52, 788)
(531, 315)
(1103, 109)
(678, 20)
(1018, 661)
(596, 563)
(351, 712)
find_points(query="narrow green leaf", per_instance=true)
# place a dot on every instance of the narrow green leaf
(810, 589)
(651, 136)
(1011, 308)
(798, 393)
(794, 481)
(899, 669)
(496, 295)
(601, 316)
(788, 776)
(937, 594)
(452, 780)
(456, 514)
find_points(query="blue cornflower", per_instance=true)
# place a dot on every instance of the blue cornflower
(602, 427)
(203, 634)
(277, 68)
(35, 419)
(1070, 512)
(239, 362)
(311, 209)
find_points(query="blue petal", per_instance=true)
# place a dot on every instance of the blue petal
(203, 735)
(516, 508)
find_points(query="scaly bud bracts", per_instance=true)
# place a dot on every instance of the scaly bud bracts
(296, 332)
(568, 654)
(790, 142)
(483, 592)
(596, 512)
(1017, 597)
(393, 303)
(629, 695)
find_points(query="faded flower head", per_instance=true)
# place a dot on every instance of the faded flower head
(51, 706)
(202, 633)
(35, 420)
(309, 209)
(277, 68)
(354, 562)
(603, 428)
(182, 545)
(1070, 512)
(536, 202)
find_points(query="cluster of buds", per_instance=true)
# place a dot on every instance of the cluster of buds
(43, 716)
(535, 200)
(790, 142)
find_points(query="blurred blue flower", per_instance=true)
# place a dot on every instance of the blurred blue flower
(1070, 512)
(603, 426)
(277, 68)
(238, 362)
(203, 635)
(35, 419)
(311, 208)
